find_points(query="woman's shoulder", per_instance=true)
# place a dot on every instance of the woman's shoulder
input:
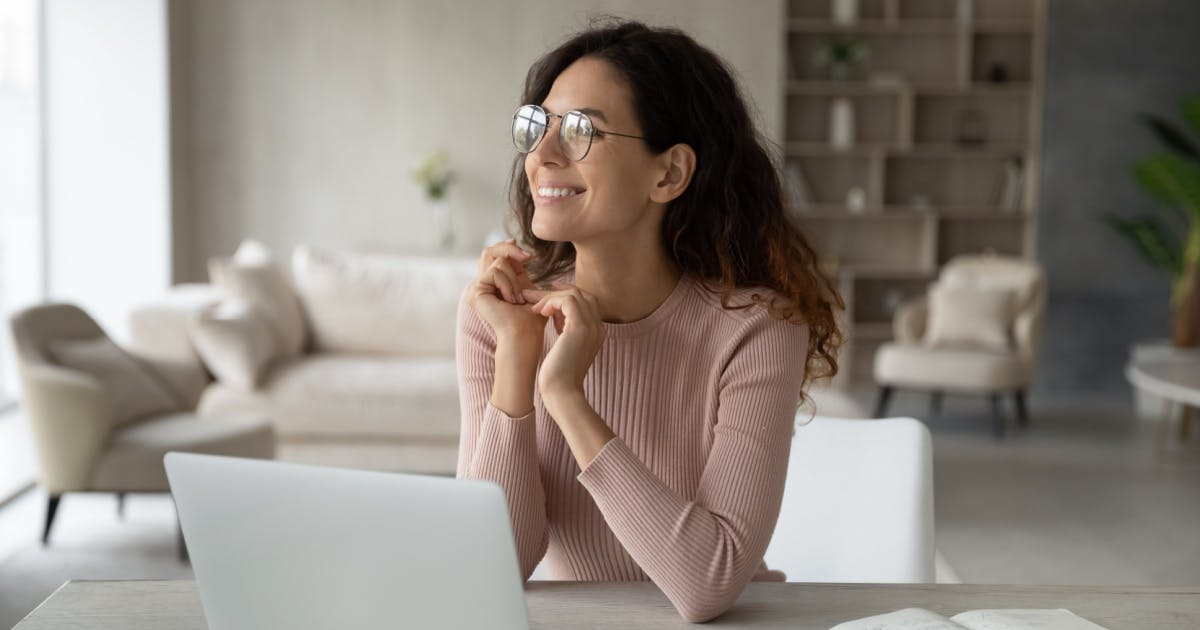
(743, 304)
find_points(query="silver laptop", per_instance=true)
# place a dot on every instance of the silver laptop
(277, 545)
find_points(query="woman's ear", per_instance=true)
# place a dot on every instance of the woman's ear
(678, 165)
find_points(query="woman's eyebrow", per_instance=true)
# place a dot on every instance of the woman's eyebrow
(590, 111)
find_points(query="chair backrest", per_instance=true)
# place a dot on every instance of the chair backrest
(34, 327)
(858, 505)
(1023, 276)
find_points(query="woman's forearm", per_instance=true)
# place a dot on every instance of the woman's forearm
(516, 371)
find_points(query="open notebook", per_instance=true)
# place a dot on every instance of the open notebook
(1004, 619)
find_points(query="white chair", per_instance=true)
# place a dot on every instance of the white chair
(909, 363)
(858, 505)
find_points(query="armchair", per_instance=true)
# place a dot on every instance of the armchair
(913, 362)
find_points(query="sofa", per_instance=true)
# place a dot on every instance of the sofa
(364, 375)
(351, 357)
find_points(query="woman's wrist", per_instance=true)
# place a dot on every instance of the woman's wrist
(516, 361)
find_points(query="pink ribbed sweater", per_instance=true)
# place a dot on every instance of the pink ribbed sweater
(702, 400)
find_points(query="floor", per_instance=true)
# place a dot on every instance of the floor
(1080, 497)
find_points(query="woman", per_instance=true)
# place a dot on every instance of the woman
(644, 435)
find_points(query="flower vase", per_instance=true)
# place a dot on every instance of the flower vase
(444, 223)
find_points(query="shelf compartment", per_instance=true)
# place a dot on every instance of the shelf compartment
(1004, 119)
(830, 178)
(928, 10)
(976, 236)
(861, 243)
(1012, 50)
(945, 182)
(1004, 10)
(875, 119)
(819, 9)
(919, 59)
(876, 299)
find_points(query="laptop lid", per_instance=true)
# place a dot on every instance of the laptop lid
(277, 545)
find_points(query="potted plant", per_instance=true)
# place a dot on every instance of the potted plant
(1170, 238)
(838, 56)
(435, 176)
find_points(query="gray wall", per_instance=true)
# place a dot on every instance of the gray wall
(1106, 60)
(299, 121)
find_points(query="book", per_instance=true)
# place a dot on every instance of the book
(996, 619)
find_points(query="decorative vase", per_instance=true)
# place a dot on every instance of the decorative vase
(444, 224)
(844, 12)
(841, 123)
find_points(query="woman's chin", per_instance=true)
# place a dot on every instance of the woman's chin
(548, 230)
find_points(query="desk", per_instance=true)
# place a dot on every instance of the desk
(176, 604)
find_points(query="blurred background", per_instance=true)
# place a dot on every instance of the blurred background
(368, 139)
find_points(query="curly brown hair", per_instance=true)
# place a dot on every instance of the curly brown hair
(730, 227)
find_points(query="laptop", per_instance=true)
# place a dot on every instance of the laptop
(278, 545)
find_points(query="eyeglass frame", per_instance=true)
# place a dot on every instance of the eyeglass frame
(546, 129)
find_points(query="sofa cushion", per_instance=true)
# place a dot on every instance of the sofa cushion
(923, 367)
(331, 394)
(135, 392)
(970, 316)
(380, 304)
(134, 459)
(254, 277)
(235, 340)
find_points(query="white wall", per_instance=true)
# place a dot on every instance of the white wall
(106, 142)
(304, 118)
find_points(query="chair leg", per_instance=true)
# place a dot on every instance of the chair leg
(935, 404)
(51, 510)
(997, 417)
(121, 505)
(1022, 410)
(881, 403)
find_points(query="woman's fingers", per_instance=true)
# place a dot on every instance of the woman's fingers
(504, 279)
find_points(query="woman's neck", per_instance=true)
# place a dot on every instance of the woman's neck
(630, 281)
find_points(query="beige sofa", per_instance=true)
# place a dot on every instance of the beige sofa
(373, 384)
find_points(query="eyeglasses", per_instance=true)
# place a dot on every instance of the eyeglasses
(575, 131)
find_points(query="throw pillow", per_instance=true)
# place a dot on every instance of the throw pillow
(236, 341)
(136, 392)
(381, 303)
(970, 316)
(252, 276)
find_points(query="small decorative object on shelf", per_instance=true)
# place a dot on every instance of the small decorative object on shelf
(1012, 183)
(997, 73)
(856, 200)
(841, 123)
(435, 176)
(838, 56)
(844, 12)
(963, 12)
(892, 298)
(797, 187)
(970, 128)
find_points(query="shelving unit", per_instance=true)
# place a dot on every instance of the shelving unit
(948, 98)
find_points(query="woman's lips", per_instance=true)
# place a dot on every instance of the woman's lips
(553, 200)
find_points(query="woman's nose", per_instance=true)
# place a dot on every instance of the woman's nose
(548, 150)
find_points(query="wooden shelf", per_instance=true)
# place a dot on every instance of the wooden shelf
(926, 82)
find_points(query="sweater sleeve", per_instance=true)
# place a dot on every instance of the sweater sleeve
(495, 446)
(702, 552)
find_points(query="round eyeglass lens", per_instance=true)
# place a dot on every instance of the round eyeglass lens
(576, 135)
(529, 124)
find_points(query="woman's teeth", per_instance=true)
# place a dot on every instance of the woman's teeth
(557, 192)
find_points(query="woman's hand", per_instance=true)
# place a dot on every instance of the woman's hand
(496, 294)
(581, 335)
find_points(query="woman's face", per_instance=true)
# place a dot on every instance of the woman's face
(613, 183)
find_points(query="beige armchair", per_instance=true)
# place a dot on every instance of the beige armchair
(102, 419)
(912, 362)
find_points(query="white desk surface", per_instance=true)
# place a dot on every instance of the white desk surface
(136, 605)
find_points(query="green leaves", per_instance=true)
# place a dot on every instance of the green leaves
(1152, 241)
(1172, 178)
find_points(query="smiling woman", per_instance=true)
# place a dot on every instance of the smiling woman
(645, 433)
